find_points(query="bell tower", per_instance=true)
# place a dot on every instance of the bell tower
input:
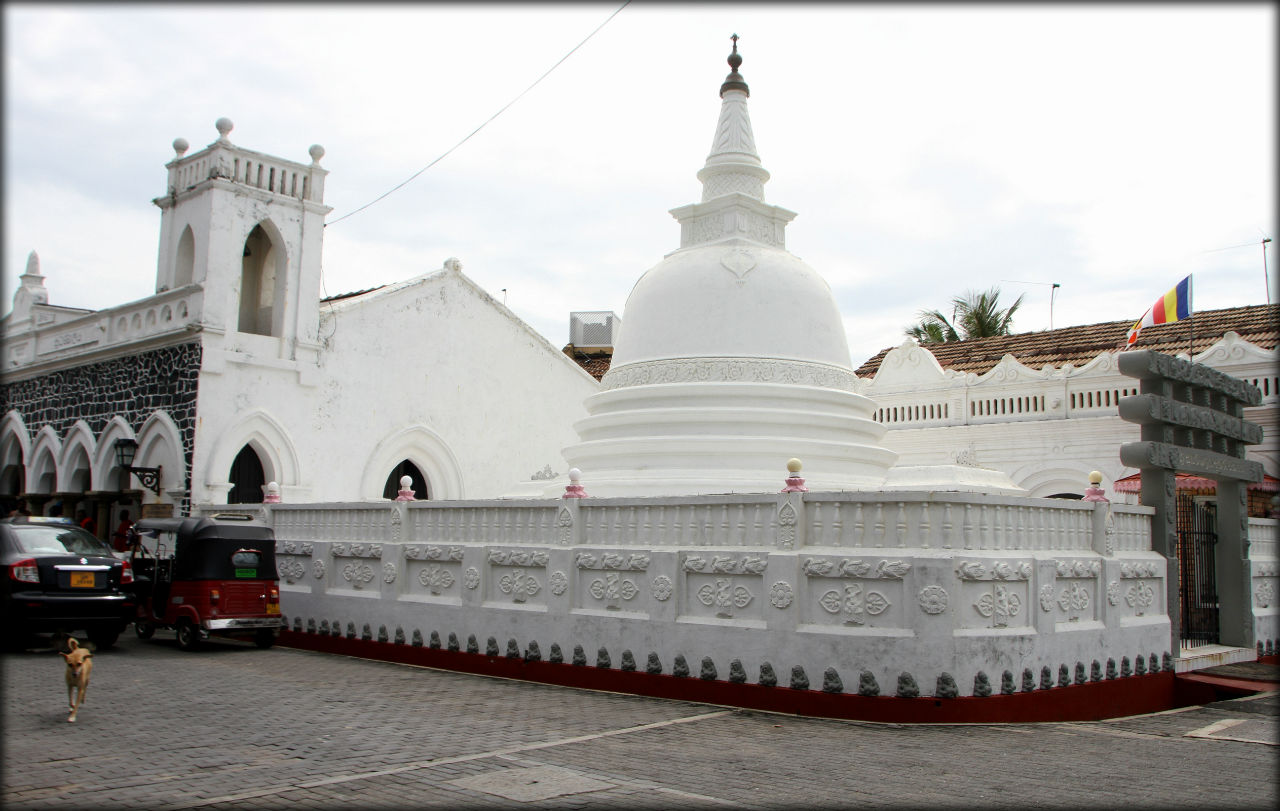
(248, 229)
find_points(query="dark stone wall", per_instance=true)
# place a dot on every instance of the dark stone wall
(133, 387)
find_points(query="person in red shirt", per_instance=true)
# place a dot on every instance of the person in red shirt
(86, 522)
(120, 538)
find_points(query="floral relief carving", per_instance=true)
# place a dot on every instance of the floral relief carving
(849, 567)
(559, 583)
(291, 570)
(724, 595)
(519, 584)
(781, 594)
(471, 577)
(317, 568)
(1000, 570)
(739, 262)
(1046, 597)
(395, 526)
(853, 603)
(1140, 596)
(612, 560)
(1074, 600)
(1265, 594)
(729, 370)
(436, 578)
(294, 547)
(518, 557)
(420, 552)
(613, 588)
(725, 564)
(1141, 568)
(388, 573)
(1113, 592)
(661, 588)
(999, 606)
(564, 522)
(787, 527)
(1079, 568)
(933, 599)
(356, 550)
(357, 574)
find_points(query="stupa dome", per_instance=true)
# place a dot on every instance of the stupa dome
(732, 357)
(734, 298)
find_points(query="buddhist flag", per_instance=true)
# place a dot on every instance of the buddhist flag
(1172, 306)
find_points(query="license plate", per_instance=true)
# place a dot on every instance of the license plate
(247, 573)
(82, 580)
(273, 608)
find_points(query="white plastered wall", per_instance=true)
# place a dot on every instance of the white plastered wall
(432, 369)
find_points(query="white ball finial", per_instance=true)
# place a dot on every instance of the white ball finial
(406, 482)
(224, 126)
(1095, 477)
(316, 152)
(575, 475)
(793, 465)
(180, 146)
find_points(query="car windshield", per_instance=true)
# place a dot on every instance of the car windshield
(36, 539)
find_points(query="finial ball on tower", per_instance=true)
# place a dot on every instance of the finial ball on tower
(316, 152)
(180, 146)
(224, 126)
(793, 465)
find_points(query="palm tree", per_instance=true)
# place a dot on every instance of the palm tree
(973, 315)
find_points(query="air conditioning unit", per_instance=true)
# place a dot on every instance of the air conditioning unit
(593, 330)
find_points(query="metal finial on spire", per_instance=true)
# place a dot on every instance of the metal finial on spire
(734, 80)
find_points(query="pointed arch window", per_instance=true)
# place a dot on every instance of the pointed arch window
(184, 263)
(259, 282)
(406, 468)
(247, 478)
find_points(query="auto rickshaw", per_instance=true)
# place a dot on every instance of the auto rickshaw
(207, 576)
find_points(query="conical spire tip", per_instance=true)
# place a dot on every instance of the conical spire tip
(734, 80)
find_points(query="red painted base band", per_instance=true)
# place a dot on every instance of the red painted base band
(1133, 695)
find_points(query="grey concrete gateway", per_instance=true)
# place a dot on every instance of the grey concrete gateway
(235, 727)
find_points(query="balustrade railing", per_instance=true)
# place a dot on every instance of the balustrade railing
(965, 522)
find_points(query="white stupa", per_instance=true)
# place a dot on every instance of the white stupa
(732, 357)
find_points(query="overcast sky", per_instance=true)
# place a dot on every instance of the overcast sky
(928, 150)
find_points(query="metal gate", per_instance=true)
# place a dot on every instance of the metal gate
(1198, 589)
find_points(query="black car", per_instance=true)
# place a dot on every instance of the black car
(58, 577)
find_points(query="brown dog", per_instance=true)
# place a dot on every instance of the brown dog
(79, 665)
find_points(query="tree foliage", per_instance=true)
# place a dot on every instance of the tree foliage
(973, 315)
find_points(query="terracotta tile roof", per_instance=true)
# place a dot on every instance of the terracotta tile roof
(596, 362)
(1258, 324)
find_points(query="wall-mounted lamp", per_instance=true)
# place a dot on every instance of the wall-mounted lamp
(126, 450)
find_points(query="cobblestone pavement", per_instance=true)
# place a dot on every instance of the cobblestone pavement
(231, 726)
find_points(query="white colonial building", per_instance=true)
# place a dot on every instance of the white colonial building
(1042, 407)
(236, 373)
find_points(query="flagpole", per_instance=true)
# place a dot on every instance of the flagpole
(1191, 319)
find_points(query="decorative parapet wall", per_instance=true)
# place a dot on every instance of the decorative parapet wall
(1264, 570)
(965, 585)
(167, 316)
(912, 391)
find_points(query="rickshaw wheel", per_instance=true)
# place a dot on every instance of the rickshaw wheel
(144, 630)
(264, 639)
(187, 635)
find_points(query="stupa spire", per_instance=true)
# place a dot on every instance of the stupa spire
(733, 165)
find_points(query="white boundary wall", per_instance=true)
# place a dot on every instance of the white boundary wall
(886, 583)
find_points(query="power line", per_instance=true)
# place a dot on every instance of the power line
(411, 178)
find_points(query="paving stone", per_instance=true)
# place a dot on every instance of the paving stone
(166, 729)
